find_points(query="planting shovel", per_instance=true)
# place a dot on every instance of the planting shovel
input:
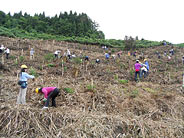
(183, 80)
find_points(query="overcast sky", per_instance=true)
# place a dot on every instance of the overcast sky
(155, 20)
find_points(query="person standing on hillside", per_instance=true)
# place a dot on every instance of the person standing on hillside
(107, 55)
(31, 54)
(56, 53)
(134, 54)
(147, 65)
(158, 54)
(183, 59)
(49, 93)
(2, 48)
(164, 43)
(21, 99)
(171, 52)
(137, 67)
(119, 54)
(7, 52)
(68, 53)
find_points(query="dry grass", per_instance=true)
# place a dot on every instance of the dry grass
(26, 121)
(153, 107)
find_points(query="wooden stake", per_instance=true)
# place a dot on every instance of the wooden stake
(58, 83)
(2, 59)
(91, 81)
(18, 44)
(62, 67)
(17, 75)
(87, 66)
(22, 52)
(183, 80)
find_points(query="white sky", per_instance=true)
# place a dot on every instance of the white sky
(155, 20)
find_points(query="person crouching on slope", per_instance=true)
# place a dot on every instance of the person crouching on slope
(137, 67)
(144, 71)
(49, 93)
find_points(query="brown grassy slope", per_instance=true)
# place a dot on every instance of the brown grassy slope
(151, 108)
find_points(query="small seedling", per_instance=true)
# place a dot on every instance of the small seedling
(49, 57)
(134, 93)
(21, 58)
(123, 81)
(50, 65)
(116, 77)
(33, 72)
(69, 90)
(90, 87)
(77, 60)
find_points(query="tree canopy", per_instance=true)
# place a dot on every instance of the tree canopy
(64, 24)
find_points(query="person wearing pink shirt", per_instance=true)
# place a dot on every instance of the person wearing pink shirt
(137, 67)
(49, 93)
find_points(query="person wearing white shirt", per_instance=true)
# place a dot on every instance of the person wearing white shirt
(7, 52)
(32, 53)
(68, 53)
(56, 53)
(2, 48)
(144, 70)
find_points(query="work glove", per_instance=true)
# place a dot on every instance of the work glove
(44, 108)
(45, 99)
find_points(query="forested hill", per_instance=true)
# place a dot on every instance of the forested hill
(70, 27)
(65, 24)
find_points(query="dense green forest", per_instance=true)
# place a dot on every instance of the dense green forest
(71, 27)
(63, 24)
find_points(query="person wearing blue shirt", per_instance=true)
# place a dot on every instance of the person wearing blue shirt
(107, 55)
(147, 65)
(21, 99)
(86, 58)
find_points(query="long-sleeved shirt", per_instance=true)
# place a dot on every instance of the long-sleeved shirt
(24, 76)
(147, 65)
(144, 69)
(137, 66)
(107, 55)
(7, 51)
(47, 90)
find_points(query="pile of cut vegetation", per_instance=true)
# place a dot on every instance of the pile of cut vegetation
(103, 115)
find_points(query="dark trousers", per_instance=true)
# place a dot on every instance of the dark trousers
(137, 73)
(144, 73)
(52, 96)
(56, 56)
(7, 55)
(69, 56)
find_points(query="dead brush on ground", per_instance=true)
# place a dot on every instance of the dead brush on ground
(104, 100)
(27, 122)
